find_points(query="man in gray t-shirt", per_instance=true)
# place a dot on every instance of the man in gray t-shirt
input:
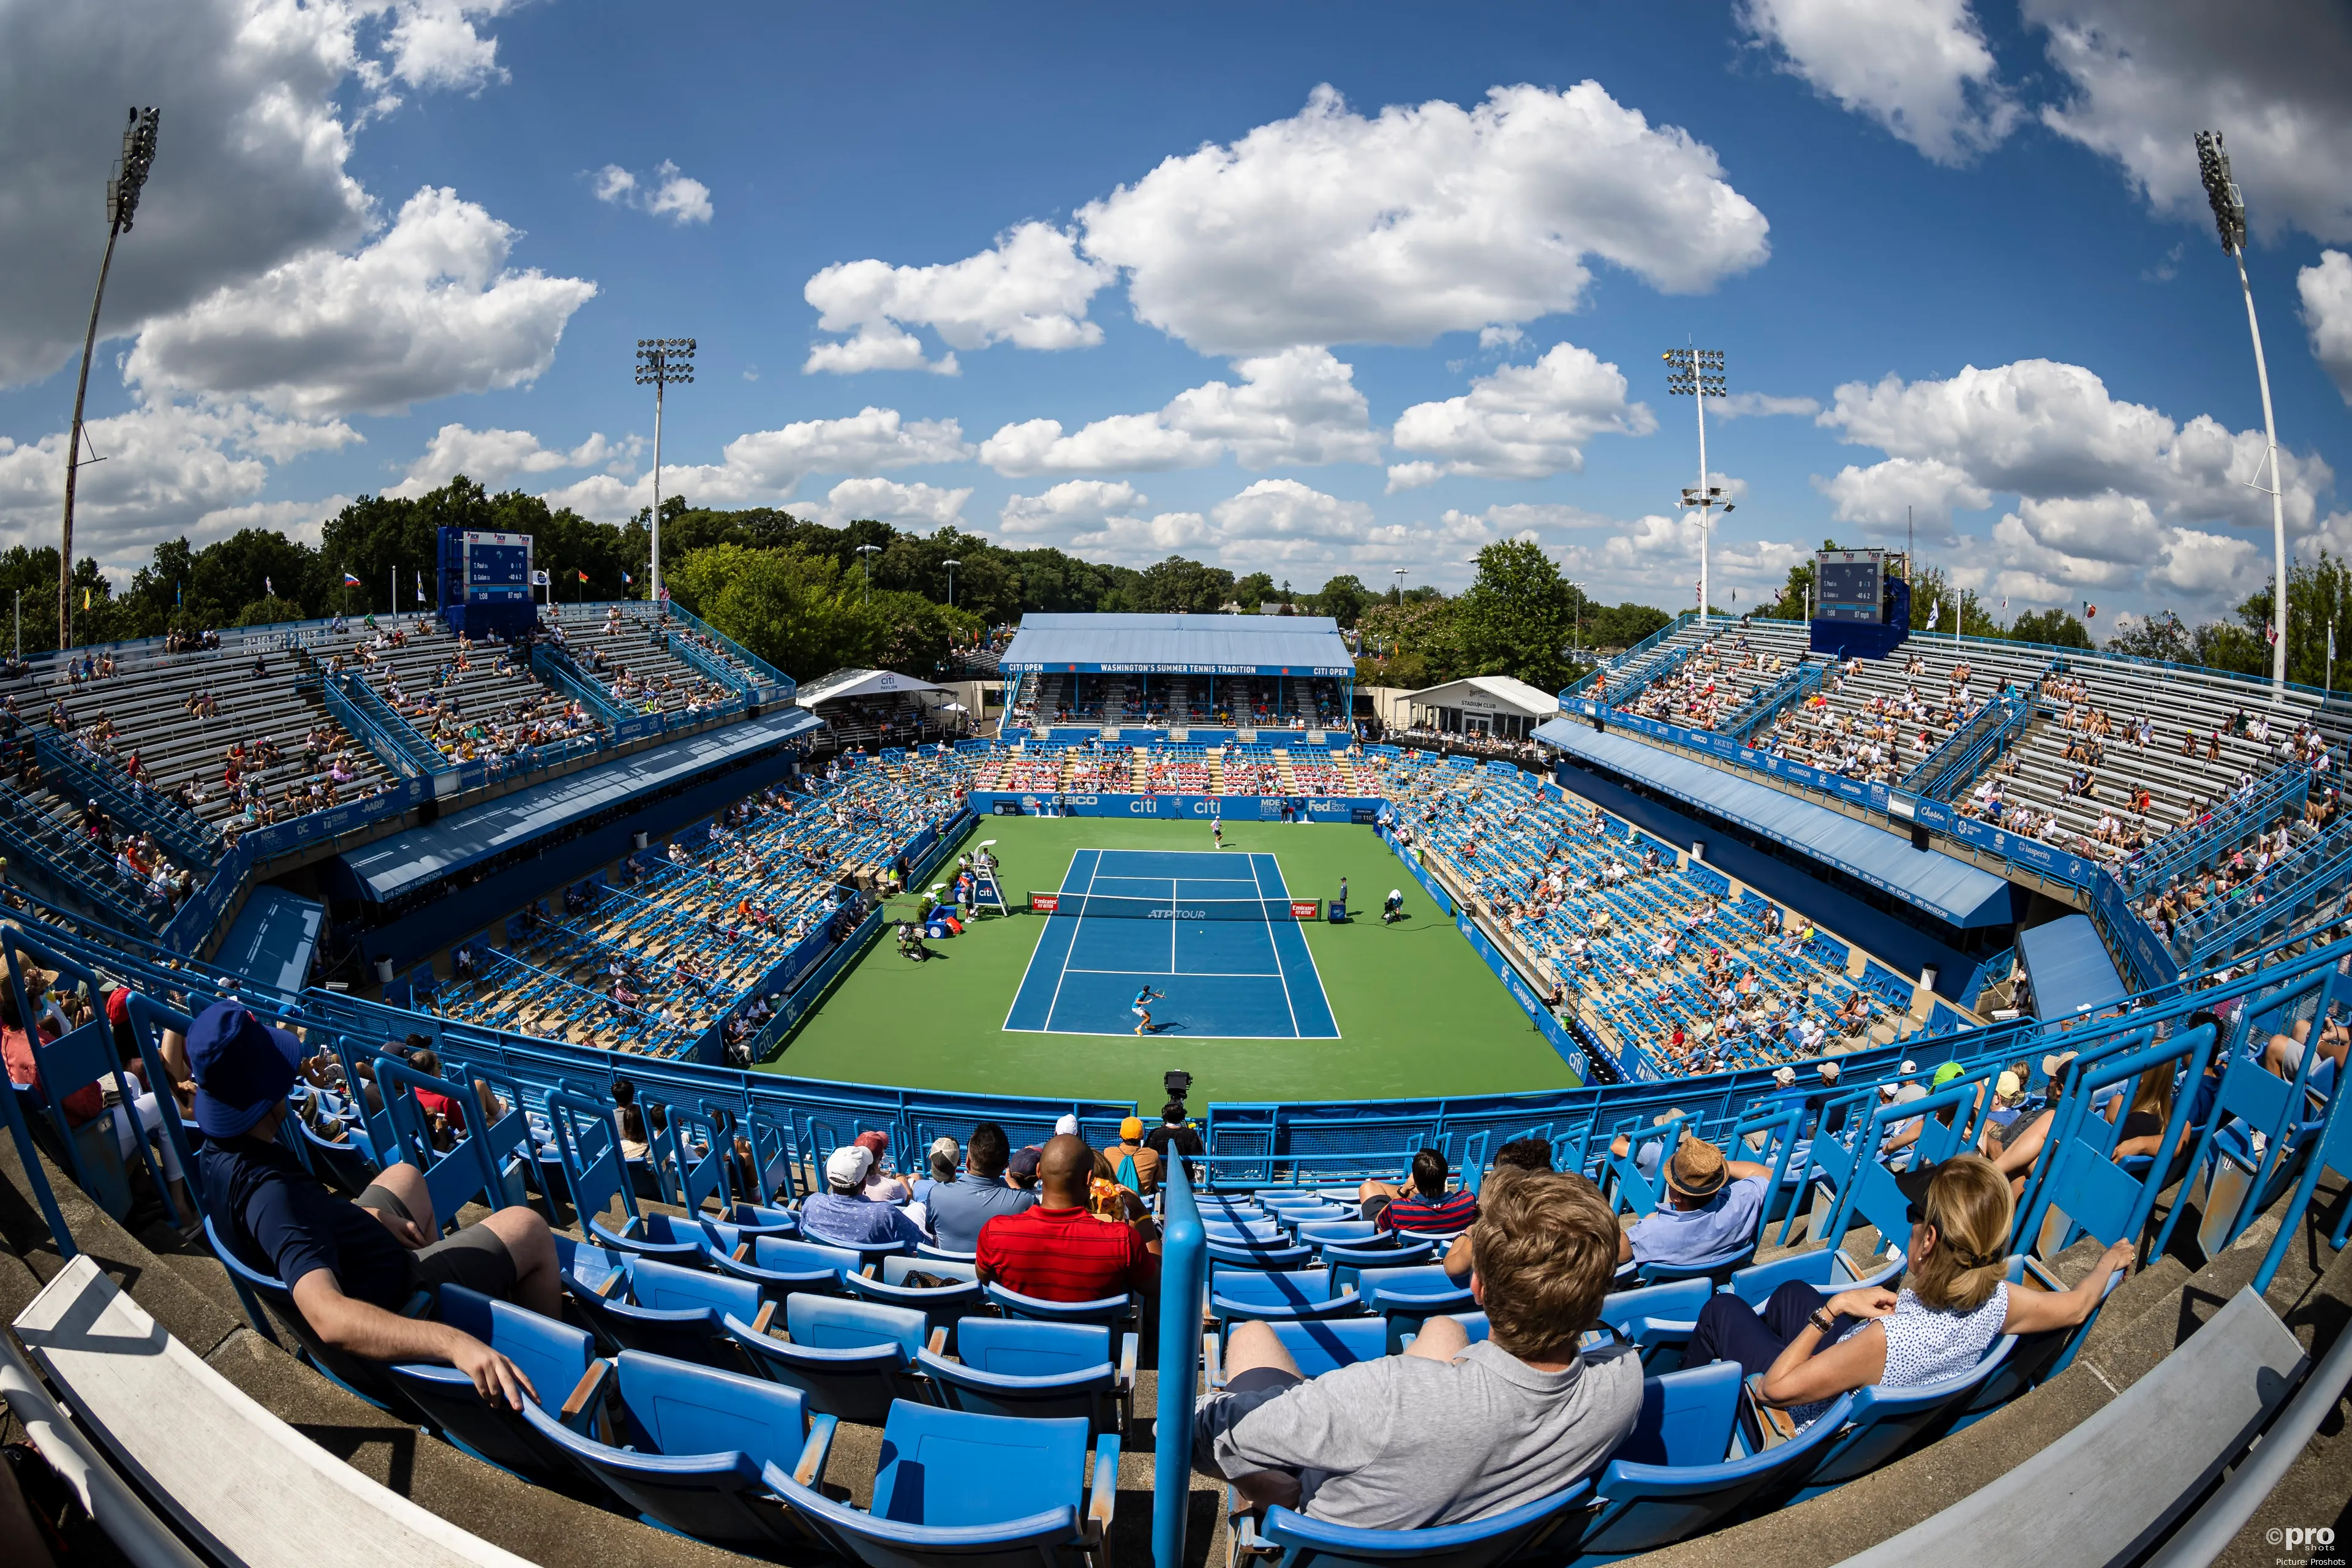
(1449, 1430)
(958, 1209)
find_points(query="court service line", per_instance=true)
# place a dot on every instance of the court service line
(1075, 928)
(1257, 874)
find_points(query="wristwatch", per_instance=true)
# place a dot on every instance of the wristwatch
(1822, 1319)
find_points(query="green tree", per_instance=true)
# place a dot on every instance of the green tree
(1254, 590)
(1177, 586)
(797, 611)
(1343, 599)
(1516, 618)
(2160, 636)
(1622, 626)
(2053, 628)
(1932, 598)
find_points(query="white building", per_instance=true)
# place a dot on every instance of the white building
(1482, 705)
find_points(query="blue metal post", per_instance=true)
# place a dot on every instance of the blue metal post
(1183, 1269)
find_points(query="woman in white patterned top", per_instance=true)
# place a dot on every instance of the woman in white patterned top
(1955, 1303)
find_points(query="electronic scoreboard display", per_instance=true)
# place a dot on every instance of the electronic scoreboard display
(497, 568)
(486, 580)
(1850, 585)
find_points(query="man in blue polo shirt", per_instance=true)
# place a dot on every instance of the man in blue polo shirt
(1713, 1206)
(351, 1266)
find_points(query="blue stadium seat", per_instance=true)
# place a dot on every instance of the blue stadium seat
(355, 1374)
(778, 1264)
(1407, 1296)
(1279, 1296)
(1306, 1542)
(1010, 1366)
(1315, 1345)
(560, 1362)
(959, 1490)
(942, 1306)
(1881, 1423)
(1242, 1256)
(1113, 1312)
(850, 1358)
(1828, 1269)
(658, 1308)
(1334, 1256)
(700, 1446)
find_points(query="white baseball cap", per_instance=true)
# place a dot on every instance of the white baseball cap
(846, 1166)
(1066, 1124)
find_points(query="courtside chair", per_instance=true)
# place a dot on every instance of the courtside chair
(1009, 1367)
(658, 1308)
(850, 1358)
(696, 1447)
(959, 1490)
(558, 1359)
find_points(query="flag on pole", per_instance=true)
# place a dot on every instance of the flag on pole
(539, 579)
(420, 586)
(2090, 611)
(270, 587)
(2270, 635)
(350, 581)
(626, 579)
(85, 599)
(2331, 642)
(583, 576)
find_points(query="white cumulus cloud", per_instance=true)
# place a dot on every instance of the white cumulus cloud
(2327, 291)
(1522, 422)
(668, 192)
(1030, 289)
(916, 506)
(764, 467)
(1332, 228)
(490, 457)
(1070, 504)
(1298, 406)
(428, 309)
(1919, 68)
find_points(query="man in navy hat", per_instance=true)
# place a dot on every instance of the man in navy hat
(351, 1266)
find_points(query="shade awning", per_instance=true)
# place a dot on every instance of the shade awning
(2068, 969)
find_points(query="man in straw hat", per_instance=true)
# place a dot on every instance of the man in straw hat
(1712, 1208)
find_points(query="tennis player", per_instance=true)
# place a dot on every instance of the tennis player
(1143, 1000)
(1217, 831)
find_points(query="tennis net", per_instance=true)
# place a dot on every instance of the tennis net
(1121, 905)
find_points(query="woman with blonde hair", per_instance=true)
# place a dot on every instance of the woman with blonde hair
(1810, 1347)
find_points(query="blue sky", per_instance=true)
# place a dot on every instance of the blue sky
(1308, 290)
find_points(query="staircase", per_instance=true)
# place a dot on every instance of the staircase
(1282, 774)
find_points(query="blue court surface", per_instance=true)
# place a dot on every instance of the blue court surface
(1209, 931)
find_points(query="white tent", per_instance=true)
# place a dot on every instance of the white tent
(1484, 705)
(845, 684)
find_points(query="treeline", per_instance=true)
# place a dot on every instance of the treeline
(807, 597)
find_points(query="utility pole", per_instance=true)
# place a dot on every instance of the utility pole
(1696, 373)
(2229, 218)
(122, 204)
(660, 362)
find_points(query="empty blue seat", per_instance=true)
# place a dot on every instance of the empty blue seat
(560, 1362)
(1661, 1487)
(1307, 1543)
(1010, 1366)
(1335, 1255)
(942, 1306)
(759, 1219)
(1279, 1296)
(1271, 1255)
(1828, 1269)
(959, 1490)
(1344, 1233)
(658, 1308)
(778, 1266)
(1115, 1311)
(699, 1446)
(850, 1358)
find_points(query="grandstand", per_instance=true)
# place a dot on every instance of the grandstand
(1204, 677)
(1749, 965)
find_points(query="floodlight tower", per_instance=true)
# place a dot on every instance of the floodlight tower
(2230, 217)
(122, 204)
(661, 362)
(1697, 373)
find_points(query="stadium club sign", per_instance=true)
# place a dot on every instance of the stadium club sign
(1335, 669)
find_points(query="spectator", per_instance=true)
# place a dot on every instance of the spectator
(1175, 1138)
(1131, 1163)
(351, 1266)
(1449, 1431)
(882, 1187)
(959, 1209)
(1423, 1207)
(844, 1216)
(942, 1163)
(1023, 1170)
(1713, 1205)
(1057, 1250)
(1811, 1347)
(1518, 1156)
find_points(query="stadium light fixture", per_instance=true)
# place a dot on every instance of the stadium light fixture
(1398, 573)
(868, 568)
(950, 565)
(1698, 374)
(130, 178)
(2230, 219)
(661, 364)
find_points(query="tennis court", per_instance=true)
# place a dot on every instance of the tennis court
(1214, 933)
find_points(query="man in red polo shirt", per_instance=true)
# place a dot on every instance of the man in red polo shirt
(1058, 1251)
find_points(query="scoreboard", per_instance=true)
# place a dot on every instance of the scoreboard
(486, 580)
(1852, 585)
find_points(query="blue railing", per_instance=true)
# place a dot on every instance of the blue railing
(2308, 898)
(556, 669)
(370, 719)
(2230, 824)
(1793, 687)
(770, 684)
(1183, 1277)
(1638, 678)
(178, 829)
(1947, 769)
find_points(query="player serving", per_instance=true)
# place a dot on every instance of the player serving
(1143, 1000)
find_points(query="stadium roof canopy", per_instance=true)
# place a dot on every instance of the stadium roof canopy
(844, 684)
(1949, 889)
(389, 867)
(2068, 968)
(1180, 645)
(1487, 693)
